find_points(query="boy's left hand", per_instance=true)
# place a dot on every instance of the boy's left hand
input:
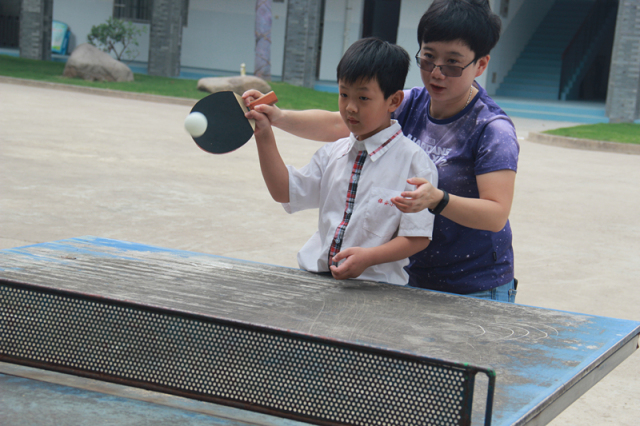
(356, 260)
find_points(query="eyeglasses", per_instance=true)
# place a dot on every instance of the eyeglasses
(446, 70)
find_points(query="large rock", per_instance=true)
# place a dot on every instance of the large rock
(237, 84)
(90, 63)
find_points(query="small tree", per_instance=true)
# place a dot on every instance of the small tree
(117, 36)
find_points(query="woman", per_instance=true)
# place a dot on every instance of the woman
(470, 139)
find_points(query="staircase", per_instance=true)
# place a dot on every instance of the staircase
(536, 72)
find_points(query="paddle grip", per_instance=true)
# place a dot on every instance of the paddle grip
(268, 99)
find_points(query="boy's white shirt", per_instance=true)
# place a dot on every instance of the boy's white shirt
(324, 182)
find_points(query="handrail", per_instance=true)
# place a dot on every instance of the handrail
(586, 34)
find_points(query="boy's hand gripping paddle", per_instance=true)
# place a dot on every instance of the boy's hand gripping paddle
(217, 122)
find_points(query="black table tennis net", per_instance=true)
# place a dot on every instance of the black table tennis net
(249, 366)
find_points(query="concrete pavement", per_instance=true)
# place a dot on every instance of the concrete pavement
(74, 164)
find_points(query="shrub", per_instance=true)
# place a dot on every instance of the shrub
(117, 36)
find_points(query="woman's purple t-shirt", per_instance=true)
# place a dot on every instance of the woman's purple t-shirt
(479, 139)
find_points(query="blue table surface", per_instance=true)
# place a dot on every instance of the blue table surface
(49, 398)
(538, 354)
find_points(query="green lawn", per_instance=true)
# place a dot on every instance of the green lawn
(618, 132)
(290, 97)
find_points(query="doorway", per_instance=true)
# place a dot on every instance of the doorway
(380, 19)
(9, 23)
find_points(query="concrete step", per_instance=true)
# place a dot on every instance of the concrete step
(553, 110)
(529, 93)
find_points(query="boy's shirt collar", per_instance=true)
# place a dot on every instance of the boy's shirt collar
(377, 144)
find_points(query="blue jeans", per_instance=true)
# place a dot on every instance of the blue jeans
(504, 293)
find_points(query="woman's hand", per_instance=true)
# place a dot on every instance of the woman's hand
(272, 112)
(425, 196)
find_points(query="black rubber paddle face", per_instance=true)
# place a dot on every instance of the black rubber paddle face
(227, 127)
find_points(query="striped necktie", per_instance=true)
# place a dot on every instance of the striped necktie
(351, 198)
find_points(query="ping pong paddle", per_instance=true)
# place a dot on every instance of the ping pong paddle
(217, 123)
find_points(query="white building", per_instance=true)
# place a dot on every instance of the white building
(537, 36)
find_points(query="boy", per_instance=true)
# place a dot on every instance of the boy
(370, 238)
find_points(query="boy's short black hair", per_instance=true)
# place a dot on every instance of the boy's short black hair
(470, 21)
(370, 58)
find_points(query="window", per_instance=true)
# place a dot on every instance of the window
(140, 10)
(133, 10)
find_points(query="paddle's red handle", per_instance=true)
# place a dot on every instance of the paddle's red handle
(268, 99)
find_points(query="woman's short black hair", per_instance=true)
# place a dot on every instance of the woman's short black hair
(370, 58)
(470, 21)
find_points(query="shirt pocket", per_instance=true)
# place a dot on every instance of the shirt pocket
(382, 217)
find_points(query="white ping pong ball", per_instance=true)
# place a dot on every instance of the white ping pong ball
(196, 124)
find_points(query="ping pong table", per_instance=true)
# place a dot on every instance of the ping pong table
(282, 342)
